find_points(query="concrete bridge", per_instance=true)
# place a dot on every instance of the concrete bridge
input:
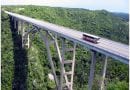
(50, 33)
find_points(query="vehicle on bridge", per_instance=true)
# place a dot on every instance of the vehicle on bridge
(91, 38)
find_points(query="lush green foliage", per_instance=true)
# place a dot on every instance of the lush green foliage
(118, 86)
(100, 23)
(7, 63)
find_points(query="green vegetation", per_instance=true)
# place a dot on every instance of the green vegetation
(36, 66)
(7, 62)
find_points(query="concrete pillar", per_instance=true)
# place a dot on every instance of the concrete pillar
(23, 31)
(103, 74)
(92, 68)
(19, 26)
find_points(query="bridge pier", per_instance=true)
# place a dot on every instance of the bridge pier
(15, 23)
(103, 73)
(92, 69)
(45, 40)
(25, 35)
(19, 26)
(63, 73)
(68, 83)
(28, 38)
(66, 73)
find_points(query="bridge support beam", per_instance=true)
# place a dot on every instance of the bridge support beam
(15, 23)
(25, 34)
(103, 74)
(28, 41)
(46, 41)
(65, 82)
(92, 68)
(19, 26)
(62, 66)
(73, 66)
(28, 38)
(66, 73)
(61, 58)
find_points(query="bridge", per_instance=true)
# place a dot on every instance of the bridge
(50, 33)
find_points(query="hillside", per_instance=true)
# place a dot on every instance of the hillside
(35, 68)
(124, 16)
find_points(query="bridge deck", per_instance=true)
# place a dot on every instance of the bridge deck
(111, 48)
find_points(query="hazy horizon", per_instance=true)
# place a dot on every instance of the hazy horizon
(108, 5)
(70, 7)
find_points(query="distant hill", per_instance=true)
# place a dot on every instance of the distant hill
(124, 16)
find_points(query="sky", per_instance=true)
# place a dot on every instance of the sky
(110, 5)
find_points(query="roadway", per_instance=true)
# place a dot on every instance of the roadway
(108, 47)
